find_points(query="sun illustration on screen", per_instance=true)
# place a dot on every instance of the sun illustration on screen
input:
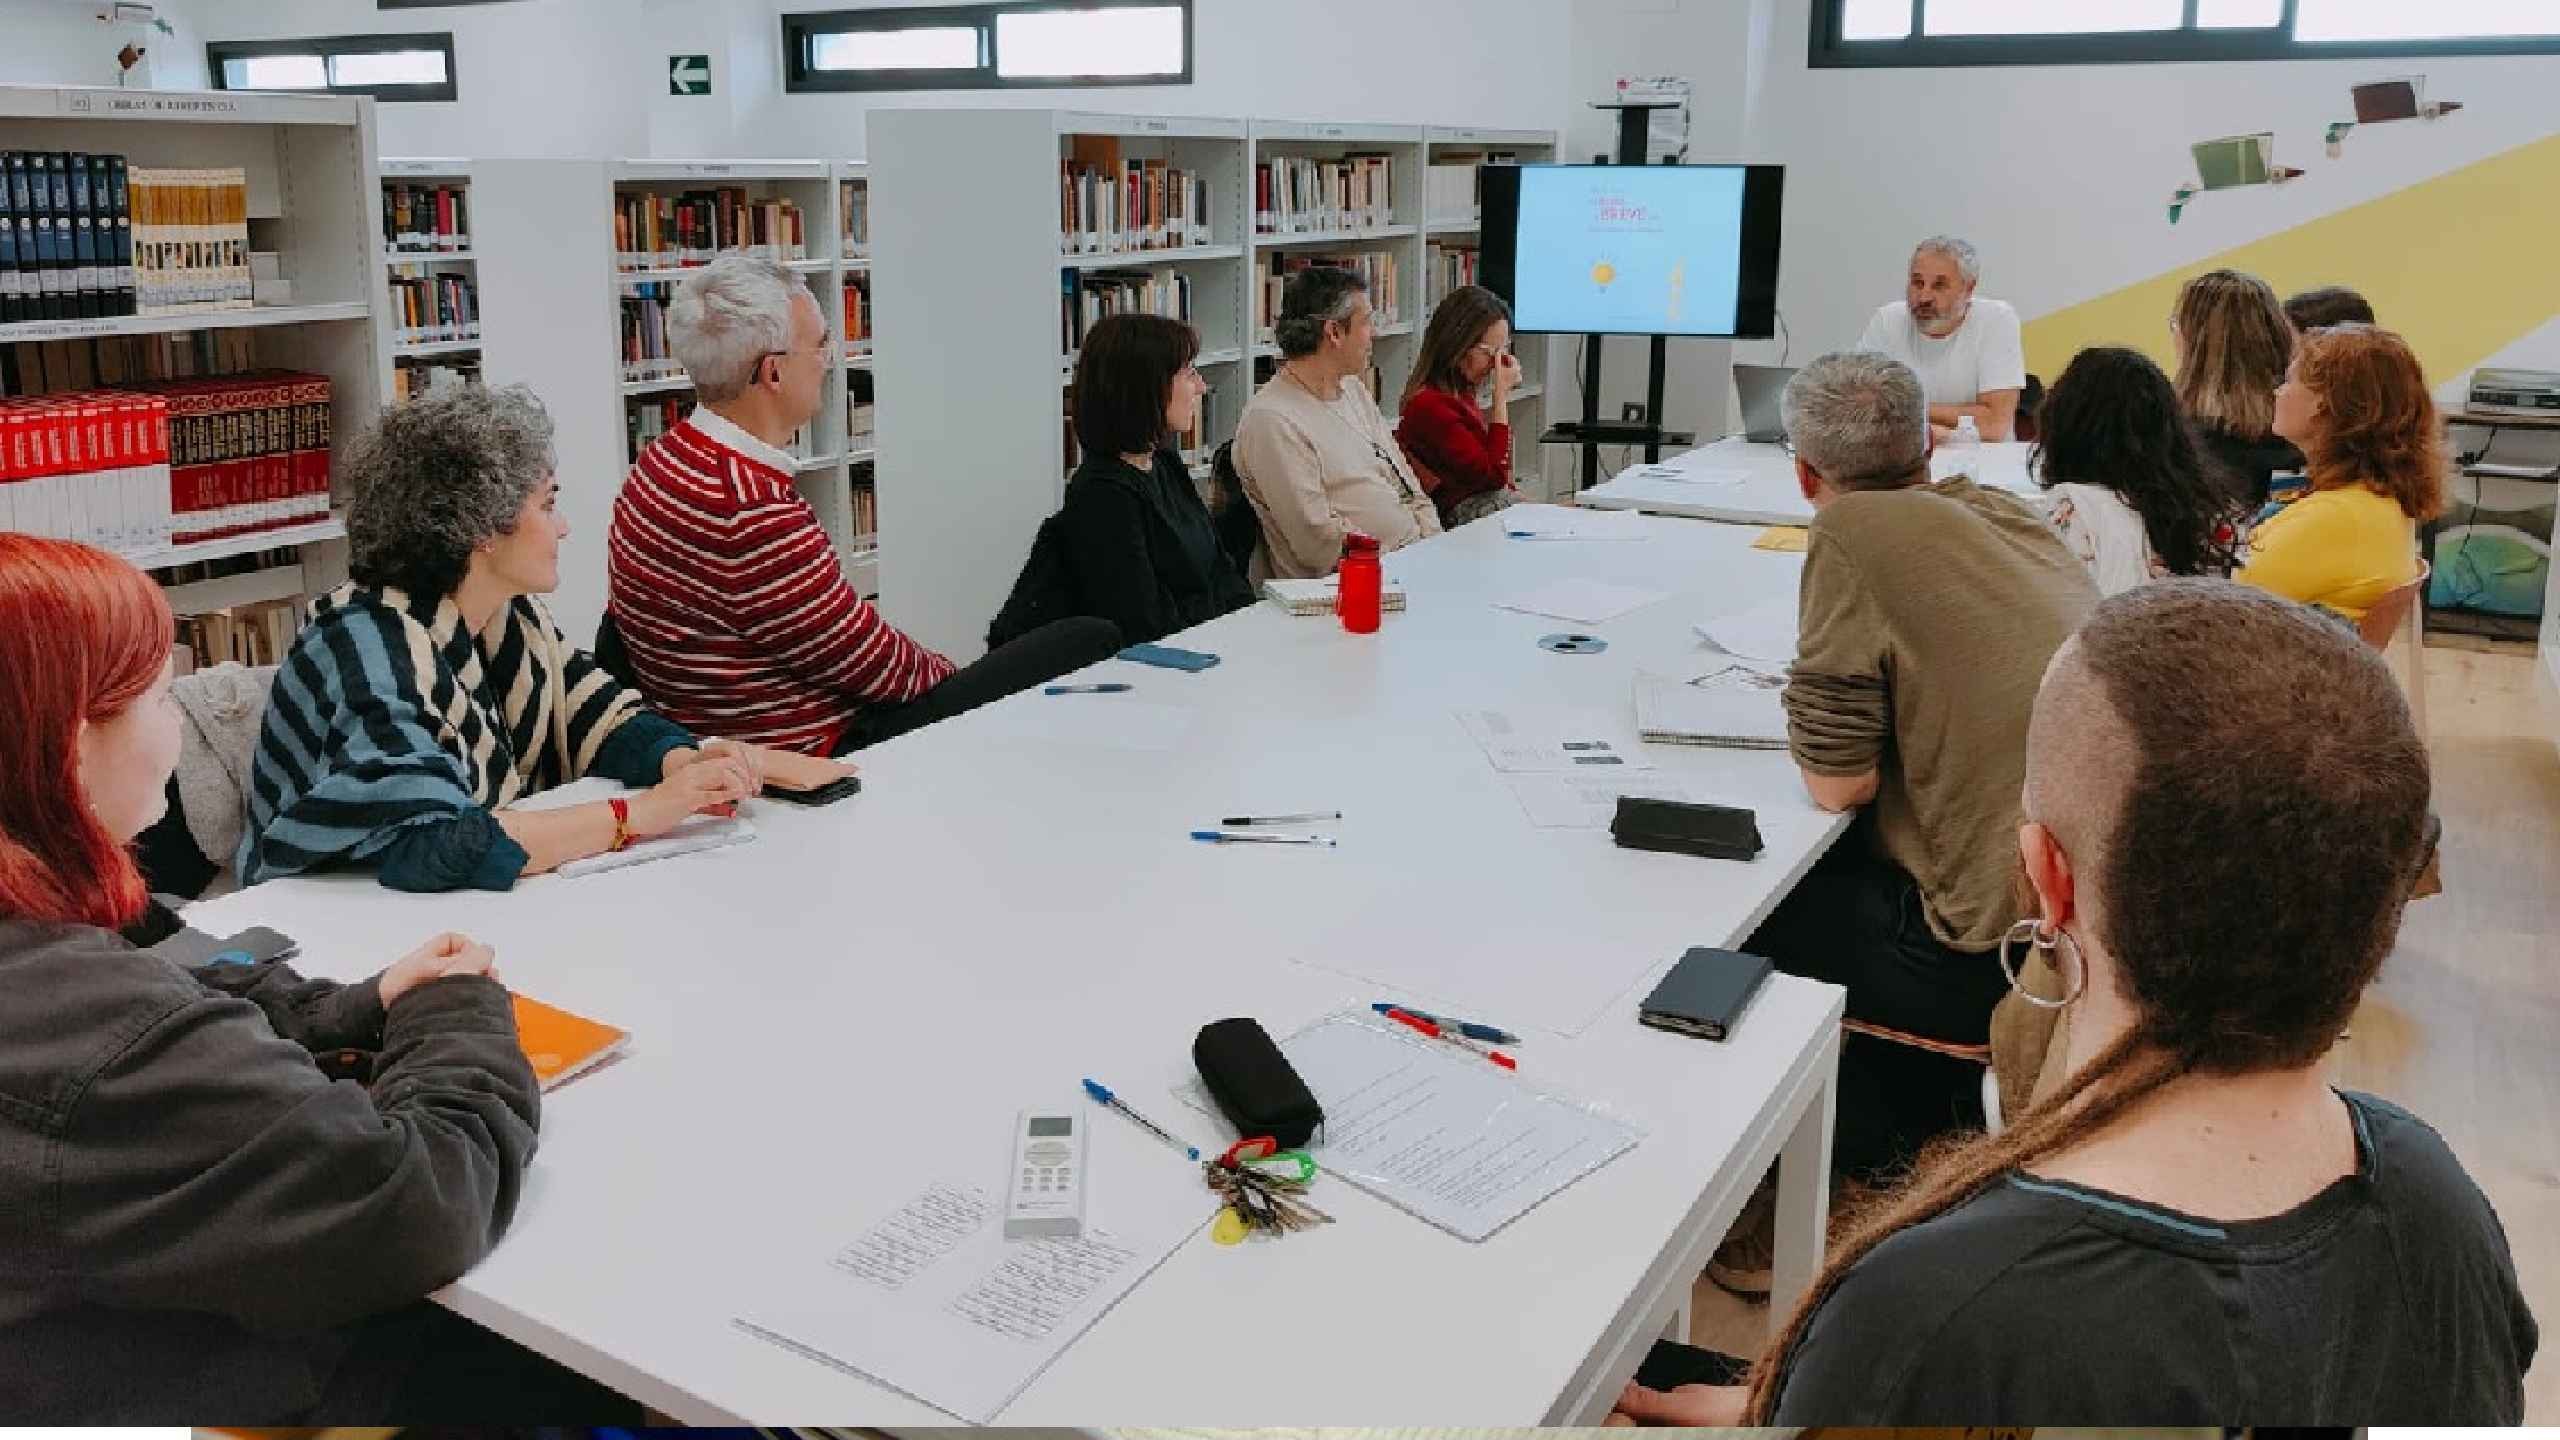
(1602, 273)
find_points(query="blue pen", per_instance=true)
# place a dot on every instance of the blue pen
(1102, 1095)
(1239, 837)
(1109, 687)
(1468, 1028)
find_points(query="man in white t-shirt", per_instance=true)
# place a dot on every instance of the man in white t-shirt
(1966, 351)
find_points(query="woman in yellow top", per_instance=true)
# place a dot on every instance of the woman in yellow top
(2356, 403)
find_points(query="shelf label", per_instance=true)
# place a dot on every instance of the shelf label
(108, 102)
(1158, 125)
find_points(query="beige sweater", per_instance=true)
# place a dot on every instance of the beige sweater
(1315, 472)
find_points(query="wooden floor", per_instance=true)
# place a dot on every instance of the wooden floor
(2463, 1028)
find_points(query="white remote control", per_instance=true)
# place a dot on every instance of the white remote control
(1047, 1184)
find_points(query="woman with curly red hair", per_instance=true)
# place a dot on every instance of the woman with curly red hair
(2356, 402)
(201, 1221)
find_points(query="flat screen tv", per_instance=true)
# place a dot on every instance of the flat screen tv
(1635, 249)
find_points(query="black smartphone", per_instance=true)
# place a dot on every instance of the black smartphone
(827, 794)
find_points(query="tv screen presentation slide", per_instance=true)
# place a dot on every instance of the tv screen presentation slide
(1635, 249)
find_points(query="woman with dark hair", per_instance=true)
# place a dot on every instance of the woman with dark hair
(1461, 451)
(431, 692)
(1138, 547)
(2356, 401)
(2233, 342)
(2129, 488)
(2225, 808)
(201, 1220)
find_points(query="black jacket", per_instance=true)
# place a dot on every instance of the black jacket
(193, 1215)
(1139, 551)
(2245, 465)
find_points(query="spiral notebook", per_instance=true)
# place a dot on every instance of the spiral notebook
(1735, 707)
(1316, 597)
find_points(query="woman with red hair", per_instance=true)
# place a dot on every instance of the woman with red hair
(201, 1221)
(2355, 401)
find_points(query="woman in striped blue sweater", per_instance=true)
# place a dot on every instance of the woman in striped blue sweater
(432, 692)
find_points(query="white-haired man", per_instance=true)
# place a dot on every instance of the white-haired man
(1965, 349)
(727, 592)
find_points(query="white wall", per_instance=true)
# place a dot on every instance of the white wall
(57, 42)
(537, 78)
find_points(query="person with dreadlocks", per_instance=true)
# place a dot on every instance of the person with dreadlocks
(2225, 807)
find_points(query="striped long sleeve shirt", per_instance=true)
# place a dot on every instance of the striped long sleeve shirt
(737, 613)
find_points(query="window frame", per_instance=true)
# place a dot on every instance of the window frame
(217, 53)
(799, 28)
(1827, 50)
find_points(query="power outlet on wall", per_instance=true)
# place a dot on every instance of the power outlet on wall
(1632, 412)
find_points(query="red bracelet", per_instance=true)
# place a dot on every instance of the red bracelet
(621, 821)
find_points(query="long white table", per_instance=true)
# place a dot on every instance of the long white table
(1743, 483)
(862, 1000)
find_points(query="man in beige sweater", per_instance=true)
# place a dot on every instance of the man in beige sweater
(1928, 613)
(1317, 459)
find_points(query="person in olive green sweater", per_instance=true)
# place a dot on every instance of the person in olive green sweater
(1927, 615)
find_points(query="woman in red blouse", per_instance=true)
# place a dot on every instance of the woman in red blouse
(1462, 451)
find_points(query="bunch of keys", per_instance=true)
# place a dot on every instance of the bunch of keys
(1264, 1188)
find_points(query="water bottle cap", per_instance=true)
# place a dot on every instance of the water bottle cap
(1356, 543)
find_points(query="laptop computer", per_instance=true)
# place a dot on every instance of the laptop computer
(1762, 388)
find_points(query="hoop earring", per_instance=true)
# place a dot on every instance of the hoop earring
(2033, 933)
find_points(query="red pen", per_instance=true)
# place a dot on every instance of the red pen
(1438, 1032)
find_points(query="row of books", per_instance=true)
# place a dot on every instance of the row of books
(45, 367)
(413, 378)
(653, 231)
(426, 219)
(191, 240)
(866, 510)
(1088, 296)
(1446, 268)
(1452, 188)
(856, 333)
(1309, 197)
(1131, 205)
(258, 634)
(860, 411)
(164, 463)
(855, 200)
(646, 355)
(646, 417)
(427, 308)
(66, 236)
(1376, 267)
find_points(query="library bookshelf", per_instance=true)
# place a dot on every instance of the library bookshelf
(311, 201)
(557, 284)
(973, 435)
(432, 348)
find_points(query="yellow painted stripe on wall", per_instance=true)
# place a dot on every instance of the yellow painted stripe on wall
(2462, 265)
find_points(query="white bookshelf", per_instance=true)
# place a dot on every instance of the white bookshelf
(312, 200)
(551, 284)
(458, 352)
(971, 434)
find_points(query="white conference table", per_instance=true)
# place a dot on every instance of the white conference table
(860, 1002)
(1742, 482)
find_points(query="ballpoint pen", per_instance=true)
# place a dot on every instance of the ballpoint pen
(1229, 837)
(1448, 1037)
(1309, 818)
(1108, 687)
(1468, 1028)
(1102, 1095)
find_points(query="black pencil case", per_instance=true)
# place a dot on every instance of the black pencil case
(1716, 832)
(1254, 1083)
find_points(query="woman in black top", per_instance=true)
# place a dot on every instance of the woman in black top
(2225, 808)
(1137, 543)
(2234, 343)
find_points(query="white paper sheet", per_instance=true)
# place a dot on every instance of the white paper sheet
(1766, 632)
(1441, 1133)
(1566, 522)
(1584, 602)
(1102, 722)
(1590, 802)
(1569, 742)
(934, 1302)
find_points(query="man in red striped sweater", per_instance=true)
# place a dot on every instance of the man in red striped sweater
(727, 591)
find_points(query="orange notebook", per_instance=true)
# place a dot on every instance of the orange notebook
(562, 1045)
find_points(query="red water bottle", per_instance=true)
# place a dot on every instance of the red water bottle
(1361, 581)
